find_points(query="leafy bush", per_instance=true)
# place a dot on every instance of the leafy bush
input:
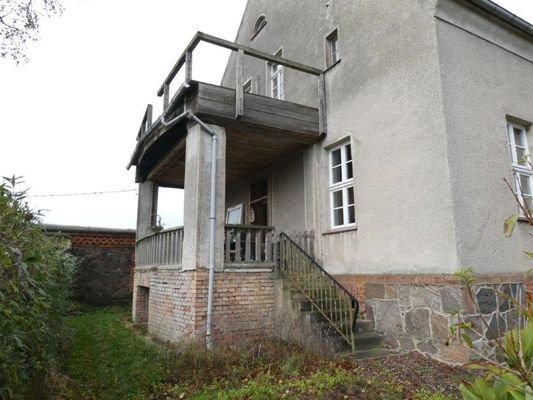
(35, 280)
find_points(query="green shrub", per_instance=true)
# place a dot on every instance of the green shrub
(35, 280)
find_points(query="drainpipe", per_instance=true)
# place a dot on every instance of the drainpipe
(212, 216)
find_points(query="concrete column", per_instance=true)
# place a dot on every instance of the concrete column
(146, 208)
(198, 197)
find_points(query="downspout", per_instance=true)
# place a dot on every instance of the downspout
(212, 216)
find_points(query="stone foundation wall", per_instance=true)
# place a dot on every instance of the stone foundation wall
(243, 303)
(418, 315)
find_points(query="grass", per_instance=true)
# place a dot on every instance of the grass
(109, 361)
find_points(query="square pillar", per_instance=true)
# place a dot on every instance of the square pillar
(197, 199)
(146, 208)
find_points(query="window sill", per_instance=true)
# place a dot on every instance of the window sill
(332, 65)
(340, 230)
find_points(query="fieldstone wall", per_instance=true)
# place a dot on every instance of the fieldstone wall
(418, 316)
(243, 303)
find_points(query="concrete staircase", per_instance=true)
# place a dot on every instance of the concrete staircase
(368, 343)
(326, 307)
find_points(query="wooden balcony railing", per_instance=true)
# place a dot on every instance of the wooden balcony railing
(161, 248)
(249, 246)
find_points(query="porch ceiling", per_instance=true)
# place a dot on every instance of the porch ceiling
(268, 131)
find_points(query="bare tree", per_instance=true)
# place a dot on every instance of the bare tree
(19, 23)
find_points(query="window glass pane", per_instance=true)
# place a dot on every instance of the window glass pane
(521, 156)
(336, 175)
(350, 196)
(336, 157)
(528, 203)
(338, 217)
(349, 170)
(518, 137)
(337, 199)
(525, 185)
(351, 214)
(348, 149)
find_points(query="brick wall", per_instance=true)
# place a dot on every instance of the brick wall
(243, 303)
(107, 259)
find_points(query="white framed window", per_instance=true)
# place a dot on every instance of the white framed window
(521, 163)
(341, 189)
(332, 48)
(277, 84)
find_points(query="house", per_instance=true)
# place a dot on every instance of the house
(378, 133)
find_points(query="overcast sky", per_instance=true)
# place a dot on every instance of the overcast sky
(69, 117)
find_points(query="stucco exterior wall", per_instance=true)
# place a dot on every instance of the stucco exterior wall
(286, 192)
(487, 72)
(383, 96)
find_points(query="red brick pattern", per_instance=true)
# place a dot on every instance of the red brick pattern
(243, 304)
(102, 240)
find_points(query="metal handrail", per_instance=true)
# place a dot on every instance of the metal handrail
(331, 279)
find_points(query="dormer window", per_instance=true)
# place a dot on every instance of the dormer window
(259, 24)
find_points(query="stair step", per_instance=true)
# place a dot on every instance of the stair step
(371, 354)
(361, 326)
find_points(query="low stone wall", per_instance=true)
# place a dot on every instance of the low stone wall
(243, 303)
(418, 316)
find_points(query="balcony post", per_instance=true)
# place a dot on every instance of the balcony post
(198, 195)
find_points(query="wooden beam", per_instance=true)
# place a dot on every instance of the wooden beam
(259, 54)
(168, 160)
(203, 37)
(239, 88)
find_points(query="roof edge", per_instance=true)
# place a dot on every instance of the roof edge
(85, 229)
(505, 15)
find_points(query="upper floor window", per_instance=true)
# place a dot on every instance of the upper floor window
(277, 85)
(519, 139)
(341, 186)
(332, 48)
(259, 24)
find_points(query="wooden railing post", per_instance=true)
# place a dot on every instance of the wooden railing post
(165, 96)
(239, 88)
(188, 66)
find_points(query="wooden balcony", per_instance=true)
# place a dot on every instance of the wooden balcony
(260, 130)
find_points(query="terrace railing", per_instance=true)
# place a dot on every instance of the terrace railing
(161, 248)
(249, 246)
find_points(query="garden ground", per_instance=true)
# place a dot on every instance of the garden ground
(108, 359)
